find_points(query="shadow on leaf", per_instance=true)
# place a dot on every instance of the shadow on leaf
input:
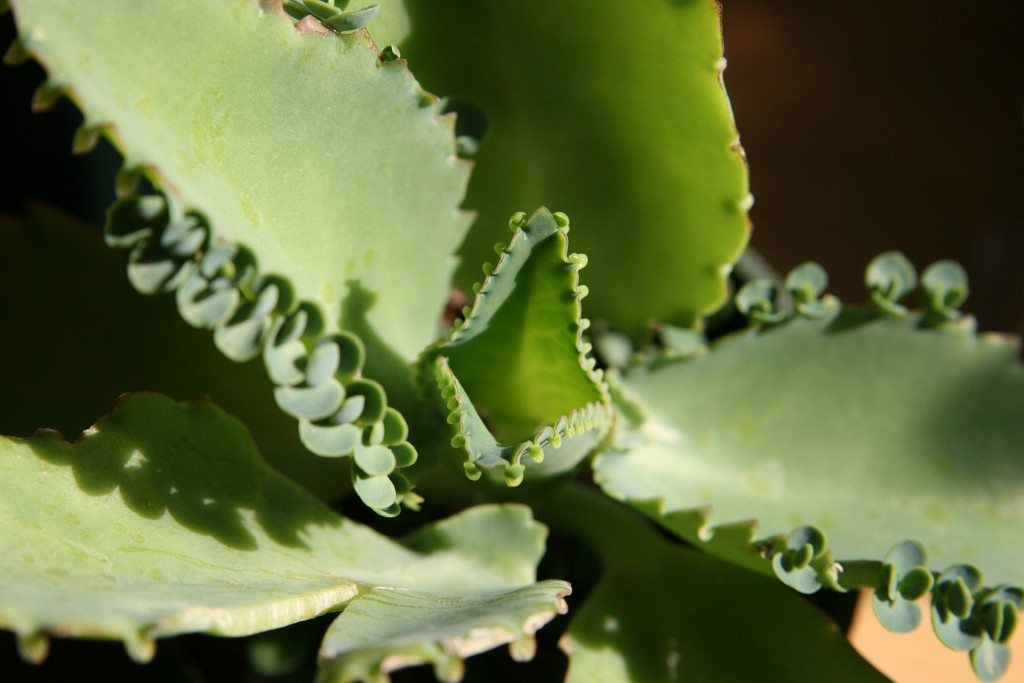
(190, 460)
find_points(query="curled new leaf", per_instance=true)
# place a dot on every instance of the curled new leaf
(332, 14)
(953, 607)
(515, 376)
(807, 284)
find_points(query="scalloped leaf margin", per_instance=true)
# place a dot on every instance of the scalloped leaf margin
(518, 356)
(773, 415)
(587, 115)
(207, 141)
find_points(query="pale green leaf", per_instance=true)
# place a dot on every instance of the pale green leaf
(870, 428)
(333, 168)
(162, 519)
(385, 630)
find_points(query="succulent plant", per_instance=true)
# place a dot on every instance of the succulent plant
(301, 211)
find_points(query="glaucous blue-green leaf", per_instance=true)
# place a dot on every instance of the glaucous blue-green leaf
(515, 374)
(387, 629)
(897, 434)
(661, 612)
(868, 427)
(614, 112)
(886, 439)
(163, 519)
(333, 167)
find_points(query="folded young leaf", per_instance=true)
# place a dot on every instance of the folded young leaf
(615, 112)
(662, 612)
(163, 519)
(515, 373)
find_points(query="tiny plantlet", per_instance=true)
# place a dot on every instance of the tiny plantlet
(289, 425)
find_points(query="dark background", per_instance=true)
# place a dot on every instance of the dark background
(875, 125)
(869, 125)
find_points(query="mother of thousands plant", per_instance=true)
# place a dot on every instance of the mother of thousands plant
(290, 188)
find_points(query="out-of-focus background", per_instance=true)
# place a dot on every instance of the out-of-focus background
(876, 125)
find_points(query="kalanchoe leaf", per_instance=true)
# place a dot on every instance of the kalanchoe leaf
(807, 284)
(516, 378)
(945, 290)
(890, 277)
(905, 578)
(799, 563)
(932, 452)
(683, 220)
(952, 608)
(756, 299)
(171, 494)
(690, 633)
(384, 132)
(829, 368)
(375, 635)
(990, 660)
